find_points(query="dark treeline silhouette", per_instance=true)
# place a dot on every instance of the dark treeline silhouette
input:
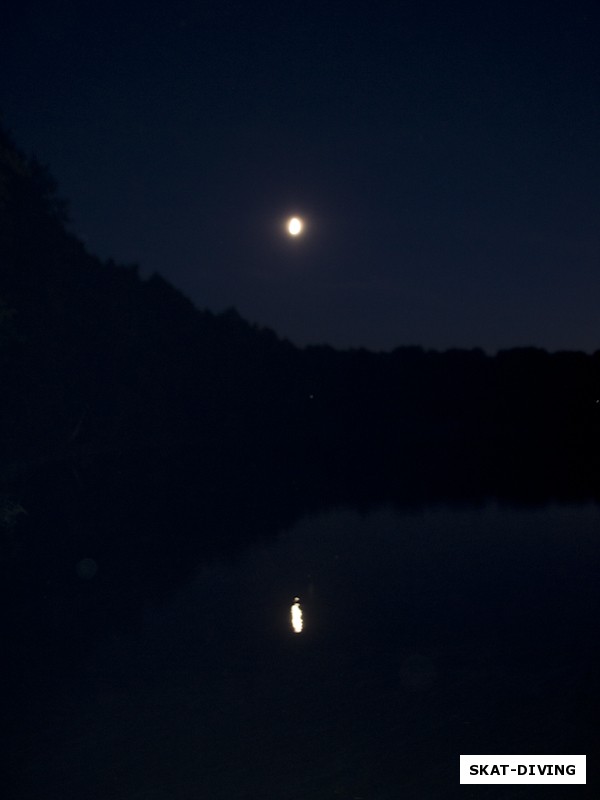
(97, 362)
(146, 434)
(140, 436)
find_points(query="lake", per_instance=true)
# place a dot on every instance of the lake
(427, 633)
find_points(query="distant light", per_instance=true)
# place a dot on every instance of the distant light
(294, 226)
(296, 613)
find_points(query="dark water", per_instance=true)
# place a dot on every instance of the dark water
(427, 634)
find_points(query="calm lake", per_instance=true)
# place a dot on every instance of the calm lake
(425, 634)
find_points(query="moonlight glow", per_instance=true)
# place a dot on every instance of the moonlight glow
(294, 226)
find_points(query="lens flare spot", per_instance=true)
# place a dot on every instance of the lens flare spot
(86, 569)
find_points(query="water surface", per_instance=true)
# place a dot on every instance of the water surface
(426, 634)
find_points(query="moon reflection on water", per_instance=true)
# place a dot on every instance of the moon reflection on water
(296, 616)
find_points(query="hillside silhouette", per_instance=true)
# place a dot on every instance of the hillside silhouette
(142, 436)
(101, 364)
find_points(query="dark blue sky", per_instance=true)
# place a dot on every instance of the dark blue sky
(445, 155)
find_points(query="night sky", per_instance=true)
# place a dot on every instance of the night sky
(444, 155)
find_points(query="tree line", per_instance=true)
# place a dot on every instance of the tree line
(96, 360)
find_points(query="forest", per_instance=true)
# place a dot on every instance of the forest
(141, 436)
(100, 365)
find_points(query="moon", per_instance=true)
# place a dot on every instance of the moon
(294, 226)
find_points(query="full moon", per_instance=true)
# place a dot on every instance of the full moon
(294, 226)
